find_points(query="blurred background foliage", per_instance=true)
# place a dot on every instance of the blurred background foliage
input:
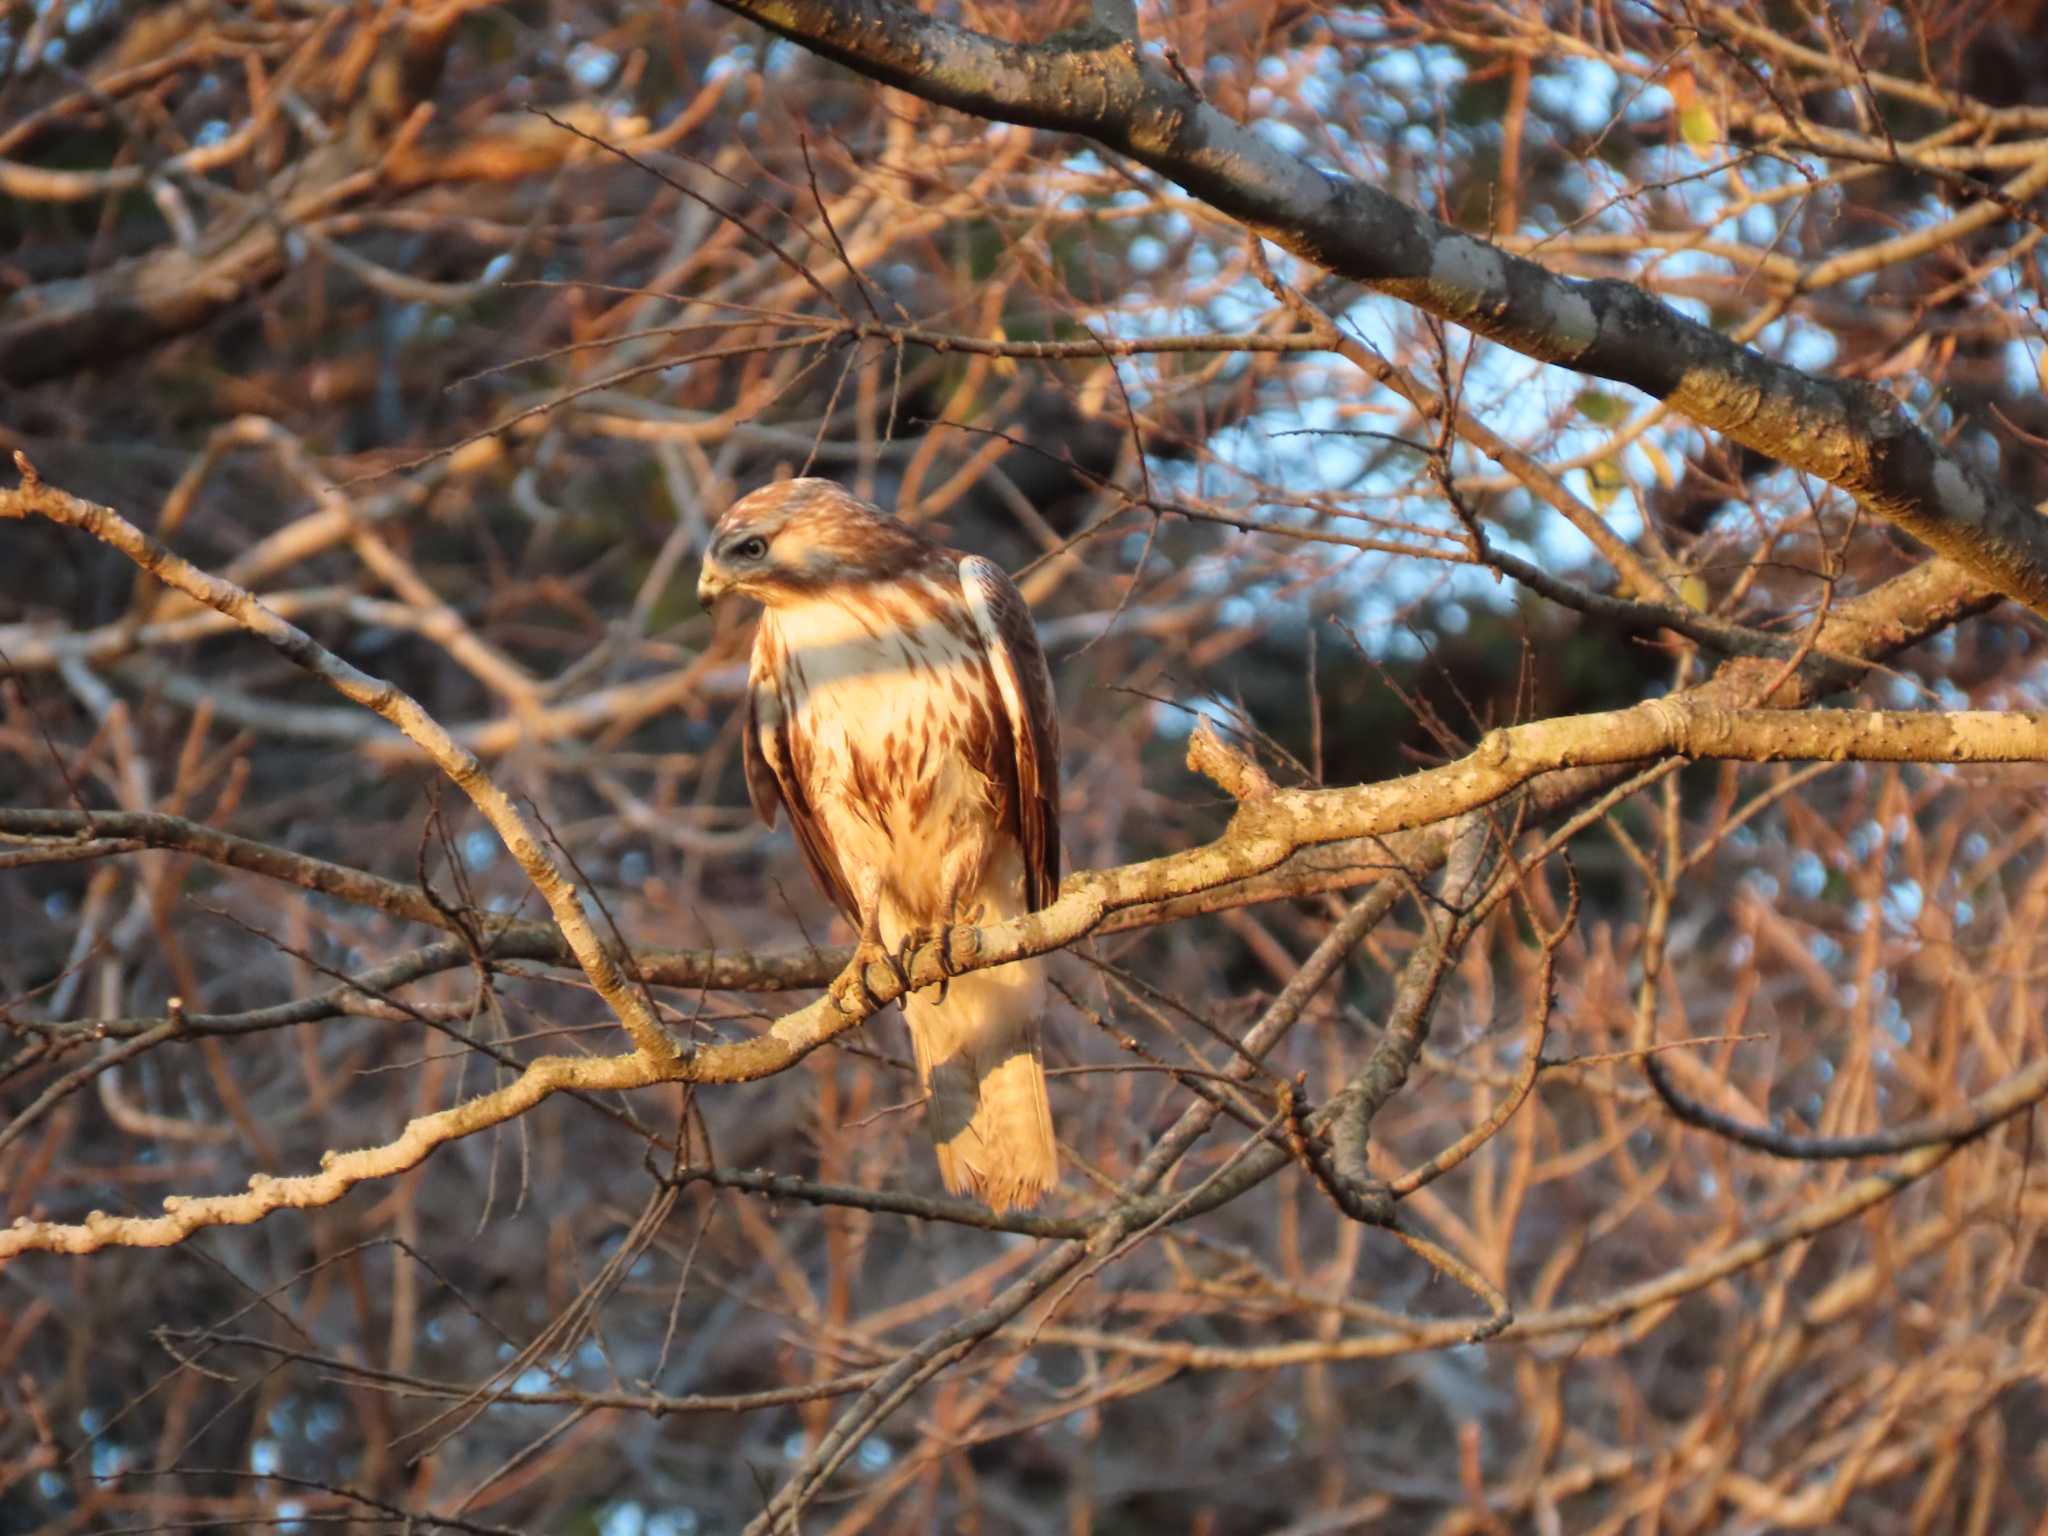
(449, 327)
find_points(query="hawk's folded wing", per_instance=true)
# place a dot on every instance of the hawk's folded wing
(1003, 621)
(772, 778)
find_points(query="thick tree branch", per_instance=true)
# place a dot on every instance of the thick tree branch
(1849, 433)
(1271, 825)
(34, 498)
(1268, 828)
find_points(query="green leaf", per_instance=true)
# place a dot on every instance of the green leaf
(1600, 407)
(1607, 481)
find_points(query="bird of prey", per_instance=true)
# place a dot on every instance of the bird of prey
(900, 710)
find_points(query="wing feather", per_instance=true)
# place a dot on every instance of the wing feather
(1003, 621)
(772, 780)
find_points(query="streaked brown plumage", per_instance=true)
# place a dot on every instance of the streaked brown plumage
(900, 710)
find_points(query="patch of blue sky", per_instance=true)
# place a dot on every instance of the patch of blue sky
(1978, 446)
(1856, 288)
(1421, 140)
(1903, 901)
(1321, 87)
(591, 66)
(739, 59)
(1702, 190)
(1353, 156)
(1400, 69)
(1281, 135)
(1892, 1019)
(1234, 307)
(1439, 69)
(1202, 263)
(1240, 612)
(1758, 224)
(1641, 100)
(1146, 253)
(2024, 365)
(1586, 91)
(1175, 719)
(1801, 345)
(1499, 384)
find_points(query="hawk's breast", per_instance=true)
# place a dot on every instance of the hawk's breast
(891, 713)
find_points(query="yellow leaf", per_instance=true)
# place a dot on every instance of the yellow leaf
(1666, 477)
(1697, 127)
(1607, 481)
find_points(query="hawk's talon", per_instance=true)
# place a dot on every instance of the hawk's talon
(912, 943)
(854, 979)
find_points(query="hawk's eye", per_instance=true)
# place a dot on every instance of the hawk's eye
(751, 549)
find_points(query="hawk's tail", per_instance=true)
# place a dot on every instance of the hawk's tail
(978, 1056)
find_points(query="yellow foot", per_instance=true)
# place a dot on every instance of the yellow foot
(850, 991)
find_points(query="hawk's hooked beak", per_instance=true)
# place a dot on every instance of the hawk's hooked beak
(712, 584)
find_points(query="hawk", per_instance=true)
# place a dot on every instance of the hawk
(899, 708)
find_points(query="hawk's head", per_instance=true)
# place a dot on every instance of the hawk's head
(789, 540)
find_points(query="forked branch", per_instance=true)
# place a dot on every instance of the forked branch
(1852, 434)
(1270, 826)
